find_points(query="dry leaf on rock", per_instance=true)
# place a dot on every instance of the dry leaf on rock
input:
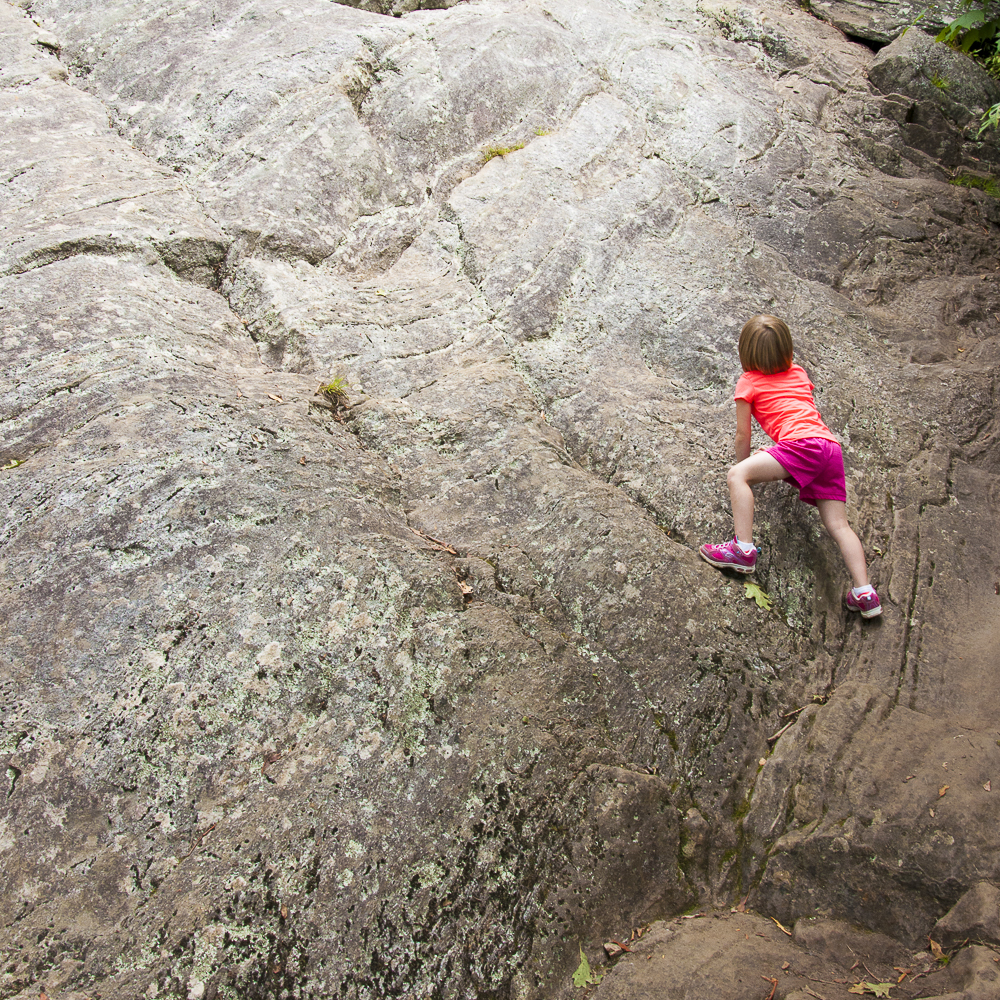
(754, 593)
(943, 789)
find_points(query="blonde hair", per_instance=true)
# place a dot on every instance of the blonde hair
(765, 345)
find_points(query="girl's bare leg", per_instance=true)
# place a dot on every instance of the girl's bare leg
(759, 468)
(834, 516)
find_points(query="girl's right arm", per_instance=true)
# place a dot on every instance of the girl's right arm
(742, 441)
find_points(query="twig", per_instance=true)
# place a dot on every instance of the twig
(794, 711)
(624, 947)
(442, 546)
(774, 986)
(783, 729)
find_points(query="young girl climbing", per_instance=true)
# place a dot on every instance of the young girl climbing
(778, 394)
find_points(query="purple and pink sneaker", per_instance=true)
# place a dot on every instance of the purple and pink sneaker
(729, 555)
(868, 604)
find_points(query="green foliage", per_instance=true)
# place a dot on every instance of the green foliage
(991, 119)
(335, 391)
(973, 28)
(977, 32)
(583, 976)
(987, 184)
(940, 82)
(492, 151)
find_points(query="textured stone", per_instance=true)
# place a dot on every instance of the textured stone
(419, 695)
(975, 917)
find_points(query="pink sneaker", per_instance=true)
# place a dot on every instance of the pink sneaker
(868, 604)
(728, 555)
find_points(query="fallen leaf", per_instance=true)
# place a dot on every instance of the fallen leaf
(909, 777)
(987, 787)
(875, 989)
(381, 291)
(754, 593)
(786, 965)
(931, 811)
(302, 460)
(943, 789)
(935, 949)
(284, 912)
(762, 761)
(277, 399)
(782, 927)
(583, 976)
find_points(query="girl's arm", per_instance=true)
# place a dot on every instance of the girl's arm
(742, 442)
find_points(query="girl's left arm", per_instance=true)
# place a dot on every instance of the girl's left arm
(742, 442)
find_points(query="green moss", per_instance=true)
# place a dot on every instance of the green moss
(742, 807)
(490, 152)
(987, 184)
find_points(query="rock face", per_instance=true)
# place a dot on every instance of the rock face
(415, 695)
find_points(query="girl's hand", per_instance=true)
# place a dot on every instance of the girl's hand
(742, 441)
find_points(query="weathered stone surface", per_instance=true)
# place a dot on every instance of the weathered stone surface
(414, 697)
(975, 917)
(878, 22)
(732, 956)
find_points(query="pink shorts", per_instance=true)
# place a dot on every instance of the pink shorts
(815, 466)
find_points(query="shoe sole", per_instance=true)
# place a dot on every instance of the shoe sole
(873, 613)
(745, 570)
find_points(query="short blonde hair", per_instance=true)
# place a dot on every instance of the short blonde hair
(765, 345)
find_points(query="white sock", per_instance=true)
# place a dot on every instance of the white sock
(863, 591)
(745, 547)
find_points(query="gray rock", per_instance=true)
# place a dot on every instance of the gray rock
(879, 22)
(933, 73)
(975, 917)
(420, 695)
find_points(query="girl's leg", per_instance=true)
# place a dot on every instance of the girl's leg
(834, 516)
(759, 468)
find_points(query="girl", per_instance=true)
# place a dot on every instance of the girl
(779, 395)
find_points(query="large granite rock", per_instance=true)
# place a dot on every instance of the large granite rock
(415, 695)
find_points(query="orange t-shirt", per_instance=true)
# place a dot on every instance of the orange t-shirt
(783, 405)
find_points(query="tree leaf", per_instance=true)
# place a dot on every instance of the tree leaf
(754, 593)
(583, 976)
(875, 989)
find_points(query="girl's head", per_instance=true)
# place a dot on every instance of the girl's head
(765, 345)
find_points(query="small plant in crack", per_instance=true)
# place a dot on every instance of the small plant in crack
(940, 82)
(493, 151)
(335, 392)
